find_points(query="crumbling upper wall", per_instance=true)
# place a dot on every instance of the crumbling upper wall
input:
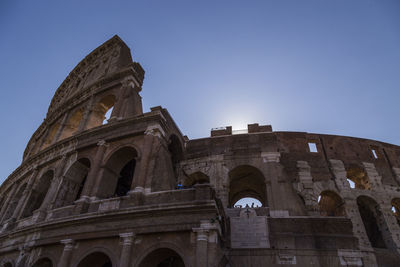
(107, 77)
(294, 147)
(109, 58)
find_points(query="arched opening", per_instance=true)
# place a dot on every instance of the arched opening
(396, 209)
(44, 262)
(96, 259)
(125, 178)
(118, 172)
(176, 151)
(38, 194)
(358, 176)
(7, 264)
(247, 202)
(331, 204)
(73, 182)
(372, 220)
(50, 136)
(196, 178)
(98, 115)
(14, 202)
(247, 182)
(107, 116)
(72, 124)
(162, 257)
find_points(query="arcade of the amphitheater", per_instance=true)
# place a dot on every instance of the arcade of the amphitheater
(103, 184)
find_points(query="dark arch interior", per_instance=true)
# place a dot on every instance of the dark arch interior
(13, 204)
(369, 212)
(196, 178)
(7, 264)
(119, 172)
(85, 162)
(162, 257)
(38, 193)
(331, 204)
(247, 181)
(96, 259)
(45, 262)
(125, 178)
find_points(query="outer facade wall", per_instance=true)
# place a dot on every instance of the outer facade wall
(61, 205)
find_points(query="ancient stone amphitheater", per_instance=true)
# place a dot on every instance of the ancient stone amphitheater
(104, 184)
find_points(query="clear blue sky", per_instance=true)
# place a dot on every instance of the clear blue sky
(316, 66)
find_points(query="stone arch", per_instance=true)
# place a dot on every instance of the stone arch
(73, 182)
(7, 263)
(93, 251)
(96, 259)
(72, 124)
(38, 193)
(43, 262)
(358, 176)
(196, 178)
(14, 201)
(118, 172)
(247, 181)
(98, 113)
(162, 257)
(157, 246)
(175, 148)
(331, 204)
(374, 223)
(51, 134)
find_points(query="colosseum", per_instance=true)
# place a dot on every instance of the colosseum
(103, 184)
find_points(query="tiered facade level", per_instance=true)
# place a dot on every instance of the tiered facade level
(132, 191)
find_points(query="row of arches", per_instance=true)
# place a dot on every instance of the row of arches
(115, 179)
(247, 187)
(98, 115)
(161, 257)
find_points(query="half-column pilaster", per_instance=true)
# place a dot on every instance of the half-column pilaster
(67, 252)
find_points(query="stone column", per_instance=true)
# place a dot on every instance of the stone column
(93, 174)
(24, 252)
(40, 214)
(21, 203)
(305, 187)
(392, 237)
(10, 196)
(60, 128)
(206, 239)
(340, 173)
(67, 252)
(86, 114)
(271, 162)
(151, 134)
(222, 173)
(127, 239)
(374, 178)
(118, 106)
(201, 247)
